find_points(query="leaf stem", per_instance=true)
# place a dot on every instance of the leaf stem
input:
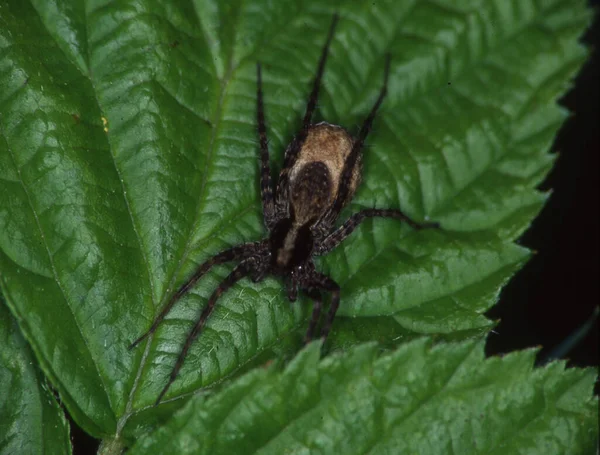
(112, 446)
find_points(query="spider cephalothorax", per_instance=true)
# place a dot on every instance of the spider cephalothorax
(320, 174)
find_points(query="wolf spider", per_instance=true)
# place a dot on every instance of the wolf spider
(320, 174)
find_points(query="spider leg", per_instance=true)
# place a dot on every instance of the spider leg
(319, 281)
(266, 185)
(230, 254)
(292, 289)
(314, 94)
(294, 148)
(346, 177)
(237, 274)
(316, 313)
(337, 236)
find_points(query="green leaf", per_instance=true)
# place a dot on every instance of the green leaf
(31, 421)
(419, 399)
(128, 155)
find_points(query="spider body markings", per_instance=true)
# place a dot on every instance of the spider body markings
(320, 174)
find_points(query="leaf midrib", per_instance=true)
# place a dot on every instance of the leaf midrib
(425, 399)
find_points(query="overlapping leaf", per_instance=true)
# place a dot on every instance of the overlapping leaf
(31, 421)
(444, 400)
(128, 155)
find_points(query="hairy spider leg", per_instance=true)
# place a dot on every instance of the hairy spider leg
(236, 252)
(291, 154)
(266, 186)
(346, 177)
(317, 299)
(314, 94)
(292, 289)
(338, 236)
(237, 274)
(320, 281)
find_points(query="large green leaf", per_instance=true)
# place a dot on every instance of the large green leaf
(31, 421)
(445, 400)
(128, 155)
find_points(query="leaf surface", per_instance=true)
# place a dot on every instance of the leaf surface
(128, 156)
(418, 399)
(31, 421)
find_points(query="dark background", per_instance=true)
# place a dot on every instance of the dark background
(557, 291)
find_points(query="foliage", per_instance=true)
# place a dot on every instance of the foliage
(418, 399)
(31, 421)
(128, 155)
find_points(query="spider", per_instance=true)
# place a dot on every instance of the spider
(320, 174)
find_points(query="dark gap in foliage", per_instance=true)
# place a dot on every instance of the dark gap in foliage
(557, 291)
(83, 443)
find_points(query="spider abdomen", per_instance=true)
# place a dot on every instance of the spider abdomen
(310, 194)
(329, 146)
